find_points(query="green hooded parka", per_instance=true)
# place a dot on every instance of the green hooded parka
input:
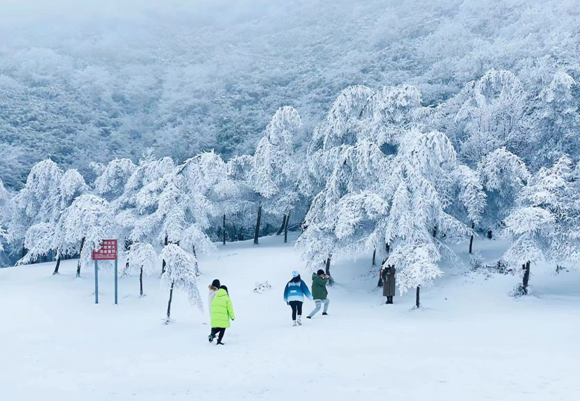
(222, 310)
(319, 290)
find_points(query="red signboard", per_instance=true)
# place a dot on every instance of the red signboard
(107, 251)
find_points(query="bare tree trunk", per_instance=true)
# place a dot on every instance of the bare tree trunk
(282, 226)
(434, 231)
(141, 282)
(57, 265)
(258, 222)
(526, 280)
(286, 228)
(375, 257)
(388, 248)
(80, 257)
(224, 229)
(471, 239)
(331, 280)
(169, 303)
(418, 297)
(163, 264)
(23, 251)
(196, 264)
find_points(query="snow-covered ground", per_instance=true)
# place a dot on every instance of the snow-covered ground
(470, 342)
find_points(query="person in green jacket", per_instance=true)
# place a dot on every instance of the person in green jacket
(319, 292)
(222, 311)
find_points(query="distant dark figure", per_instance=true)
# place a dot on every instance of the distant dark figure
(389, 282)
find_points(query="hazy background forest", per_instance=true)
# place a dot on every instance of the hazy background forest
(89, 83)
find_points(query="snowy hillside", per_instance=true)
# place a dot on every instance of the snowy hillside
(470, 341)
(84, 82)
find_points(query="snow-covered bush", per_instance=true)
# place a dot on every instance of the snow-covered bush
(261, 288)
(180, 273)
(142, 258)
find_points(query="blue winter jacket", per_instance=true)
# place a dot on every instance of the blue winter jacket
(296, 290)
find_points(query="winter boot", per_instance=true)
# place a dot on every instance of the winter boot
(220, 343)
(324, 314)
(210, 338)
(299, 321)
(294, 323)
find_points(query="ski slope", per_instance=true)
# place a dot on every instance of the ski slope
(469, 342)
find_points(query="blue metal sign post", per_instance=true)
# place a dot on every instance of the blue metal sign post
(107, 251)
(116, 285)
(96, 282)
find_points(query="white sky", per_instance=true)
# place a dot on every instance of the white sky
(19, 11)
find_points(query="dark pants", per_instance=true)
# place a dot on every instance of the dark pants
(219, 331)
(296, 308)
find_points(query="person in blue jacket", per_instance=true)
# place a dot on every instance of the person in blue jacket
(294, 294)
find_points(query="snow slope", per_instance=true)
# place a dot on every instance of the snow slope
(470, 342)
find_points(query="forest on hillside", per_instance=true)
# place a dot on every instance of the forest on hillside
(382, 175)
(88, 84)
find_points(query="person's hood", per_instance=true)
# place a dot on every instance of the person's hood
(222, 293)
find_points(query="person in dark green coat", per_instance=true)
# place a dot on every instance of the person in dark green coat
(319, 292)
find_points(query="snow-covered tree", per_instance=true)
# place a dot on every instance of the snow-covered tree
(82, 227)
(180, 274)
(111, 183)
(555, 123)
(338, 128)
(469, 199)
(38, 242)
(544, 227)
(275, 170)
(503, 175)
(140, 197)
(72, 185)
(244, 203)
(341, 221)
(489, 116)
(39, 238)
(142, 258)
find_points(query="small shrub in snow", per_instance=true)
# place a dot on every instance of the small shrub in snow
(260, 288)
(477, 262)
